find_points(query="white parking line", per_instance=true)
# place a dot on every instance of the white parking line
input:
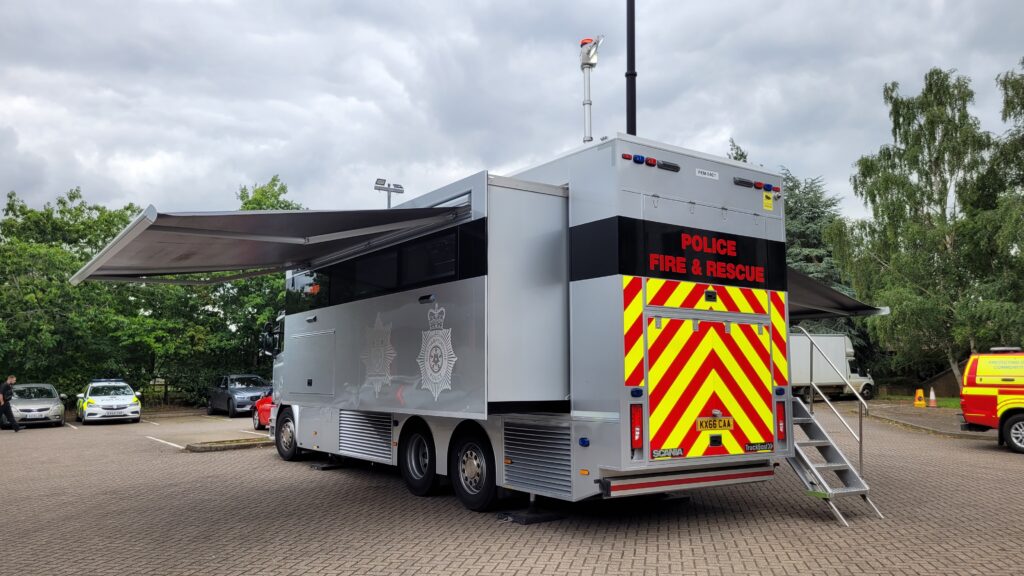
(166, 442)
(150, 422)
(72, 425)
(253, 433)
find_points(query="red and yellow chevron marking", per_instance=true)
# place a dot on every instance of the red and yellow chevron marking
(672, 294)
(780, 335)
(694, 371)
(633, 329)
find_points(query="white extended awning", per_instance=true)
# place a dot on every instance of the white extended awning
(156, 245)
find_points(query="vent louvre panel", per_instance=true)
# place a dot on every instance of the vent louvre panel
(365, 435)
(541, 459)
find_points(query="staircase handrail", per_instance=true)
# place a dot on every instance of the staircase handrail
(862, 407)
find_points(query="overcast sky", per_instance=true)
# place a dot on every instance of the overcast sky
(176, 103)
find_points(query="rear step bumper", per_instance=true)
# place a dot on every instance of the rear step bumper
(658, 483)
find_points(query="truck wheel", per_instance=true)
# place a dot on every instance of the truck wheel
(285, 437)
(471, 469)
(1013, 433)
(867, 392)
(417, 460)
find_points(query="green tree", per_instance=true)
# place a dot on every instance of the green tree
(735, 152)
(810, 210)
(919, 254)
(249, 304)
(269, 196)
(51, 331)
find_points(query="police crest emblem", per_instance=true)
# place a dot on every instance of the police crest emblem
(437, 358)
(378, 355)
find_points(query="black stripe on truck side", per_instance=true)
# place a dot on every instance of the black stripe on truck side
(621, 245)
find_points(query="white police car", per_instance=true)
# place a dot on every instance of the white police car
(108, 400)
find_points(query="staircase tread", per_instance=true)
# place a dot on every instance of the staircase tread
(849, 490)
(832, 466)
(813, 442)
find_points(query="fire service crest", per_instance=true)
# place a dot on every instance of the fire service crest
(436, 359)
(378, 355)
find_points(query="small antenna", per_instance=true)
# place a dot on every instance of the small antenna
(588, 61)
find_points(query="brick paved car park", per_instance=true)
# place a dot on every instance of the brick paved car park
(106, 499)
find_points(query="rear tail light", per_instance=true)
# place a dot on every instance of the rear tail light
(780, 421)
(636, 426)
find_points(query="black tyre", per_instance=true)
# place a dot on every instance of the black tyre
(471, 470)
(209, 408)
(805, 395)
(867, 392)
(78, 417)
(1013, 433)
(232, 411)
(256, 420)
(285, 437)
(136, 420)
(417, 460)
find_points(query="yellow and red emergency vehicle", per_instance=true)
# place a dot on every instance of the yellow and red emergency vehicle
(993, 395)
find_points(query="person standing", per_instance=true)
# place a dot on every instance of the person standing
(6, 393)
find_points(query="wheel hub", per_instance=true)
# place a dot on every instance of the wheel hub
(1017, 434)
(287, 435)
(471, 469)
(418, 456)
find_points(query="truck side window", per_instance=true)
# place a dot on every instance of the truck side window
(429, 261)
(306, 291)
(855, 368)
(376, 273)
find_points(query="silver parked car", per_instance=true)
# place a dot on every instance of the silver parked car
(37, 404)
(108, 400)
(236, 393)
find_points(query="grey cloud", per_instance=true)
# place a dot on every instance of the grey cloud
(177, 103)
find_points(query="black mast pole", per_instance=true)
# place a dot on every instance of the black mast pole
(630, 69)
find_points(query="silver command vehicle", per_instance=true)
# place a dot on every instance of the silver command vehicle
(612, 322)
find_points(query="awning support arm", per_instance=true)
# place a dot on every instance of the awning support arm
(190, 282)
(306, 240)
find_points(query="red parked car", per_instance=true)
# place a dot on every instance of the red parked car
(261, 412)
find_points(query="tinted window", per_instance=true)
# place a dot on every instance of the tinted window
(429, 260)
(34, 392)
(375, 273)
(248, 382)
(306, 291)
(111, 390)
(444, 256)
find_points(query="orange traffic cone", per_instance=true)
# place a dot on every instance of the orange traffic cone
(932, 403)
(919, 398)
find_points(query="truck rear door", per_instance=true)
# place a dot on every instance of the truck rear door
(708, 356)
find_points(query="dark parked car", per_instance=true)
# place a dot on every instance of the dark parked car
(236, 393)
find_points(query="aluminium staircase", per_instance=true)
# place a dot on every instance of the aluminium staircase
(817, 461)
(822, 467)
